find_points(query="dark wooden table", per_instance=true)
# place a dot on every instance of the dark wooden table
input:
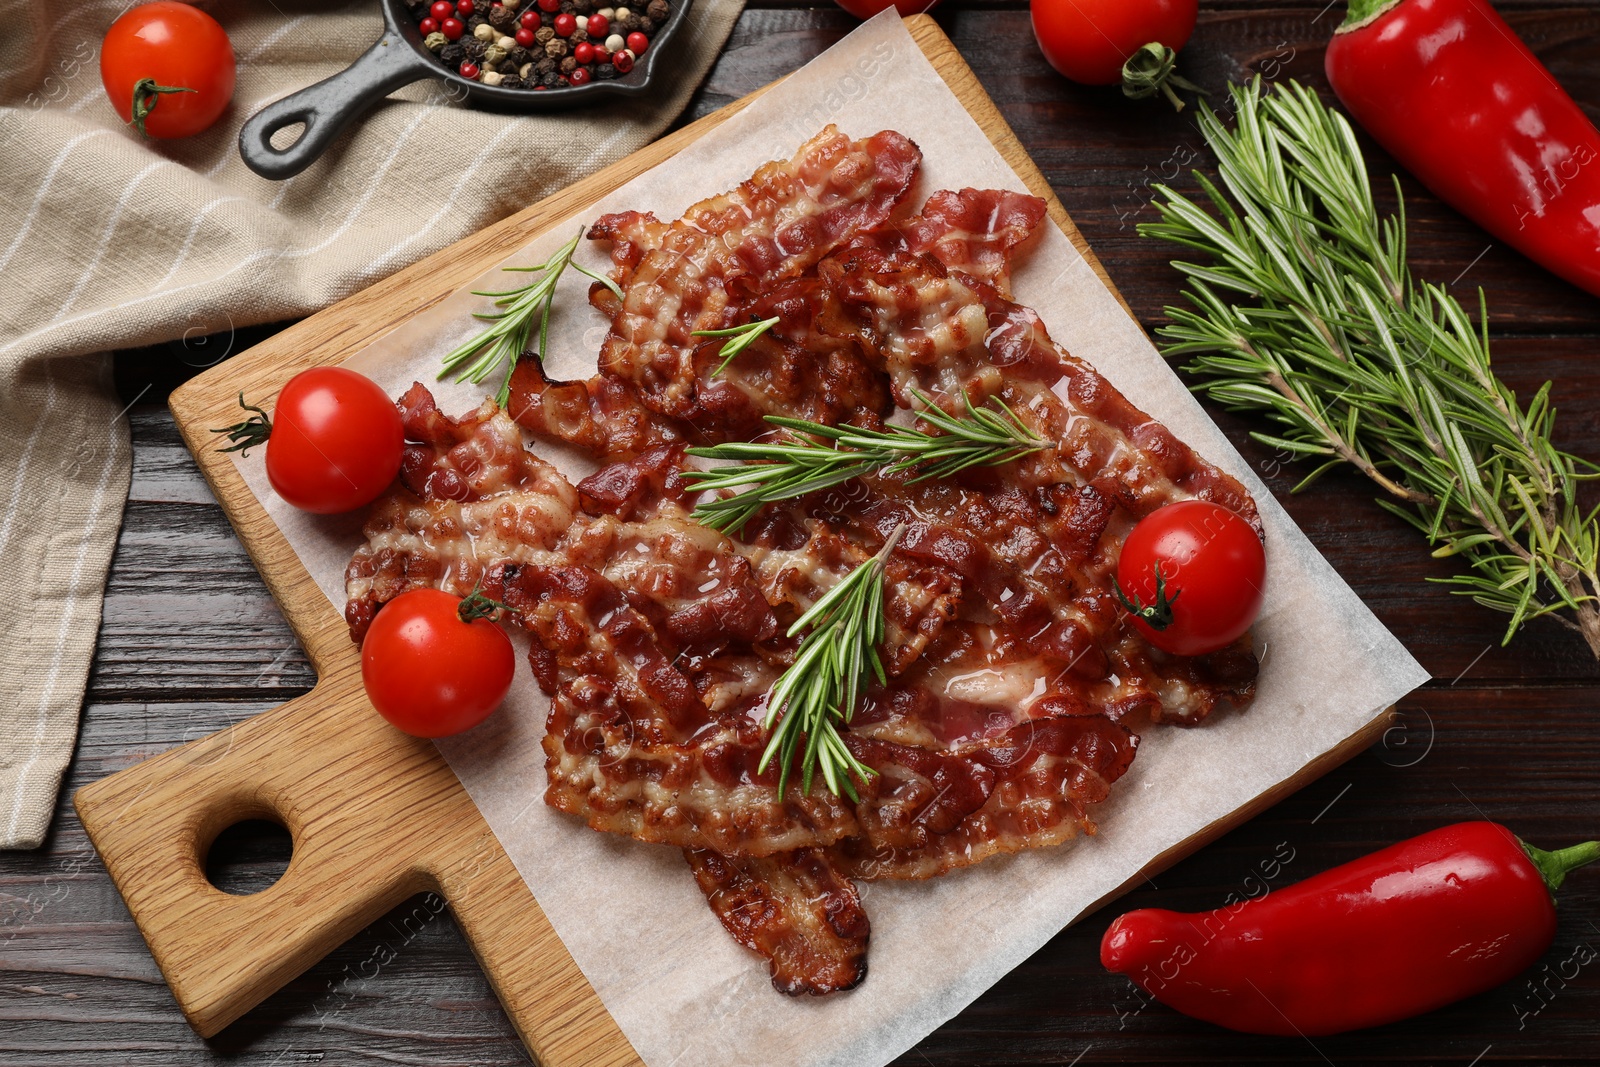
(191, 642)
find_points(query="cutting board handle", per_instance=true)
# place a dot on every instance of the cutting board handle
(354, 857)
(376, 816)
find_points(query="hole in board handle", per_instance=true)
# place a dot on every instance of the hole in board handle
(249, 856)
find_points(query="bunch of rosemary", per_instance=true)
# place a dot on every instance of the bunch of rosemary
(1307, 313)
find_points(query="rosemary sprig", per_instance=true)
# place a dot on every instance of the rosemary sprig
(836, 660)
(1307, 313)
(739, 339)
(803, 463)
(507, 339)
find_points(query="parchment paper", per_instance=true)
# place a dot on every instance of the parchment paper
(680, 988)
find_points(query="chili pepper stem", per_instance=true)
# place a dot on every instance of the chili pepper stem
(1361, 12)
(1554, 866)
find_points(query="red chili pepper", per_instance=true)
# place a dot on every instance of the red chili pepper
(1460, 101)
(1405, 930)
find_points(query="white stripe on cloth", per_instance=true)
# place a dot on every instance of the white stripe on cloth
(74, 595)
(382, 261)
(105, 236)
(273, 254)
(51, 396)
(44, 187)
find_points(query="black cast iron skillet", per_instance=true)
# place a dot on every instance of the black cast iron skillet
(400, 58)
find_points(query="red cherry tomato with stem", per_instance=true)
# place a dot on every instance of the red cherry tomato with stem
(435, 664)
(1090, 40)
(168, 69)
(1191, 576)
(334, 440)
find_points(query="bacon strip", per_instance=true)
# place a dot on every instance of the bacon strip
(793, 908)
(774, 226)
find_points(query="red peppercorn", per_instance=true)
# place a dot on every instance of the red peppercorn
(469, 70)
(452, 29)
(637, 43)
(565, 24)
(599, 26)
(530, 18)
(465, 8)
(600, 54)
(428, 25)
(441, 10)
(583, 52)
(524, 37)
(551, 6)
(623, 62)
(579, 76)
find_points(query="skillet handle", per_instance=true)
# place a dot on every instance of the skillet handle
(328, 107)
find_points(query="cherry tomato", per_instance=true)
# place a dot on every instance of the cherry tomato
(433, 666)
(1089, 40)
(865, 9)
(333, 443)
(1191, 575)
(168, 69)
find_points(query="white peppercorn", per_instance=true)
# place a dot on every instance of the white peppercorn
(485, 33)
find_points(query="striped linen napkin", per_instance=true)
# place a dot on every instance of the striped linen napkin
(108, 241)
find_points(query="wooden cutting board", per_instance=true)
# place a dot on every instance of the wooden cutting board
(377, 816)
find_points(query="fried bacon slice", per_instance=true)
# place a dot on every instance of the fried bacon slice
(1015, 690)
(728, 248)
(795, 909)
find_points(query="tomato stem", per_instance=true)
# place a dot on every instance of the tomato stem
(1150, 70)
(146, 95)
(243, 436)
(1554, 866)
(1158, 614)
(479, 605)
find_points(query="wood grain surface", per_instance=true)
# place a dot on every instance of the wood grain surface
(192, 643)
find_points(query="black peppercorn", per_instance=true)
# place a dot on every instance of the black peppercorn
(658, 10)
(511, 82)
(520, 55)
(568, 7)
(552, 81)
(503, 19)
(583, 7)
(605, 72)
(475, 21)
(569, 65)
(627, 25)
(578, 37)
(648, 26)
(452, 54)
(473, 47)
(544, 66)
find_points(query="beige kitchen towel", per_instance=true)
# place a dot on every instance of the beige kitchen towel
(109, 241)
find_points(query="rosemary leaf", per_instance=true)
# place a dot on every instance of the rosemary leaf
(1306, 313)
(815, 457)
(739, 339)
(502, 343)
(837, 660)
